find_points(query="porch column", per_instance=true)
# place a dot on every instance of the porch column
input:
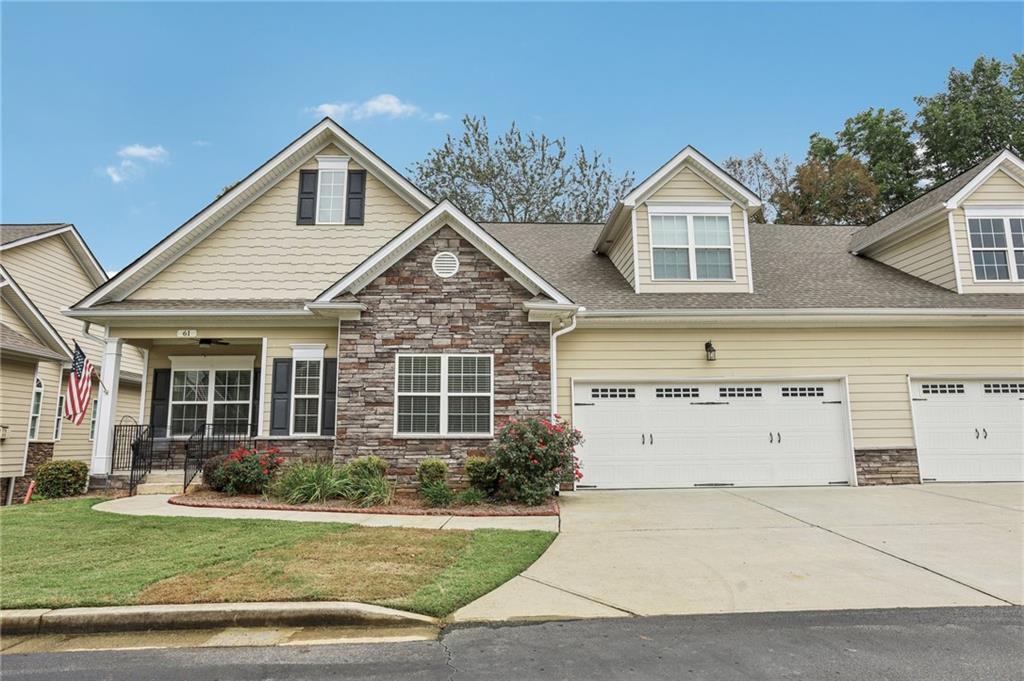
(110, 372)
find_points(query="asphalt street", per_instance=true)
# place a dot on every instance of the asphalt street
(895, 645)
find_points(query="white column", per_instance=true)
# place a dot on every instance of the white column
(110, 372)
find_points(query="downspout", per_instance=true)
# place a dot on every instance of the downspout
(554, 361)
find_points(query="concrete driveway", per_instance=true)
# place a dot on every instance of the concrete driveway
(659, 552)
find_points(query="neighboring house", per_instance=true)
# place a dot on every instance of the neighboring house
(326, 306)
(52, 267)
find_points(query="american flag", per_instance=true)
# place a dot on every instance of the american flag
(79, 387)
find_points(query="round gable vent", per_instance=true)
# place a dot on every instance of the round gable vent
(445, 264)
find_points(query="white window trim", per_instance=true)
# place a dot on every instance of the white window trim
(210, 365)
(444, 394)
(689, 211)
(1003, 213)
(34, 414)
(93, 415)
(307, 352)
(58, 422)
(333, 163)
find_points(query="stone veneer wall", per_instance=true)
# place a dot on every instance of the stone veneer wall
(309, 450)
(887, 467)
(410, 309)
(38, 454)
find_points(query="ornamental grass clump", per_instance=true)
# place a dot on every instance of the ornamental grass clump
(432, 474)
(532, 456)
(369, 487)
(312, 483)
(249, 471)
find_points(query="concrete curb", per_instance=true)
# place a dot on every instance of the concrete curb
(205, 616)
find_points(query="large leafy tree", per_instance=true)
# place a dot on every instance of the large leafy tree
(829, 188)
(980, 111)
(767, 179)
(882, 141)
(520, 177)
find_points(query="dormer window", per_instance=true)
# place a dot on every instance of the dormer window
(997, 247)
(691, 243)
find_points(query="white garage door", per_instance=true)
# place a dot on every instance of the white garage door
(969, 430)
(708, 434)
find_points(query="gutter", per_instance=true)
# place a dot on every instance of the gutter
(807, 312)
(554, 359)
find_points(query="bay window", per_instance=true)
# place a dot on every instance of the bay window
(997, 246)
(691, 243)
(211, 392)
(444, 396)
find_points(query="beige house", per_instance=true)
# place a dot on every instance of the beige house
(326, 306)
(52, 267)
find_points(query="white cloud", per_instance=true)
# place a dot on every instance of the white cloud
(152, 154)
(381, 106)
(129, 168)
(201, 143)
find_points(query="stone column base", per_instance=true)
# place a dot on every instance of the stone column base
(887, 467)
(38, 454)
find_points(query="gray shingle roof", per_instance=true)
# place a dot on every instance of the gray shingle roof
(11, 233)
(928, 201)
(794, 267)
(12, 341)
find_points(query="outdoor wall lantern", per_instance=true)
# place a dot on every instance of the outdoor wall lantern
(710, 350)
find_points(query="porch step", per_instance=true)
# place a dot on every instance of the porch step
(159, 488)
(165, 482)
(175, 476)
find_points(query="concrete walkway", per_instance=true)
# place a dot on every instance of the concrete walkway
(156, 505)
(674, 552)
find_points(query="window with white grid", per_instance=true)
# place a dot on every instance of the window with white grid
(306, 394)
(997, 247)
(444, 395)
(330, 194)
(690, 246)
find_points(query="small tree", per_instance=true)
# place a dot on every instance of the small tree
(520, 177)
(764, 178)
(829, 188)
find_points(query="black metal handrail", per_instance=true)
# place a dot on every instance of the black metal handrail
(124, 436)
(141, 463)
(213, 440)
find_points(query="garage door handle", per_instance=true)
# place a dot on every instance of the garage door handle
(779, 436)
(976, 434)
(652, 438)
(771, 437)
(986, 433)
(643, 439)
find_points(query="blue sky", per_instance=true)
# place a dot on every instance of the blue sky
(127, 118)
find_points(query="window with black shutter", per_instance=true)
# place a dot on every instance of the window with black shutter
(356, 200)
(330, 397)
(307, 197)
(280, 396)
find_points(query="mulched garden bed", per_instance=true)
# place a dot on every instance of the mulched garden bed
(404, 505)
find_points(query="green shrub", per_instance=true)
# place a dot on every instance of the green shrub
(249, 471)
(431, 471)
(532, 456)
(471, 496)
(55, 479)
(311, 483)
(213, 472)
(437, 494)
(371, 491)
(367, 467)
(483, 474)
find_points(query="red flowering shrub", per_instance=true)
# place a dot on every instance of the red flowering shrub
(533, 455)
(249, 471)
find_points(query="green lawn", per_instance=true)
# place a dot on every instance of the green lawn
(64, 554)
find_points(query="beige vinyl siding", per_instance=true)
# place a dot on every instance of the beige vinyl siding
(244, 341)
(53, 279)
(999, 189)
(11, 318)
(927, 255)
(688, 186)
(262, 253)
(15, 401)
(621, 254)
(876, 360)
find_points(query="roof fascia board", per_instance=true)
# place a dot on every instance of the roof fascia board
(609, 232)
(1005, 156)
(326, 129)
(86, 258)
(811, 312)
(413, 235)
(912, 228)
(33, 317)
(668, 170)
(800, 318)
